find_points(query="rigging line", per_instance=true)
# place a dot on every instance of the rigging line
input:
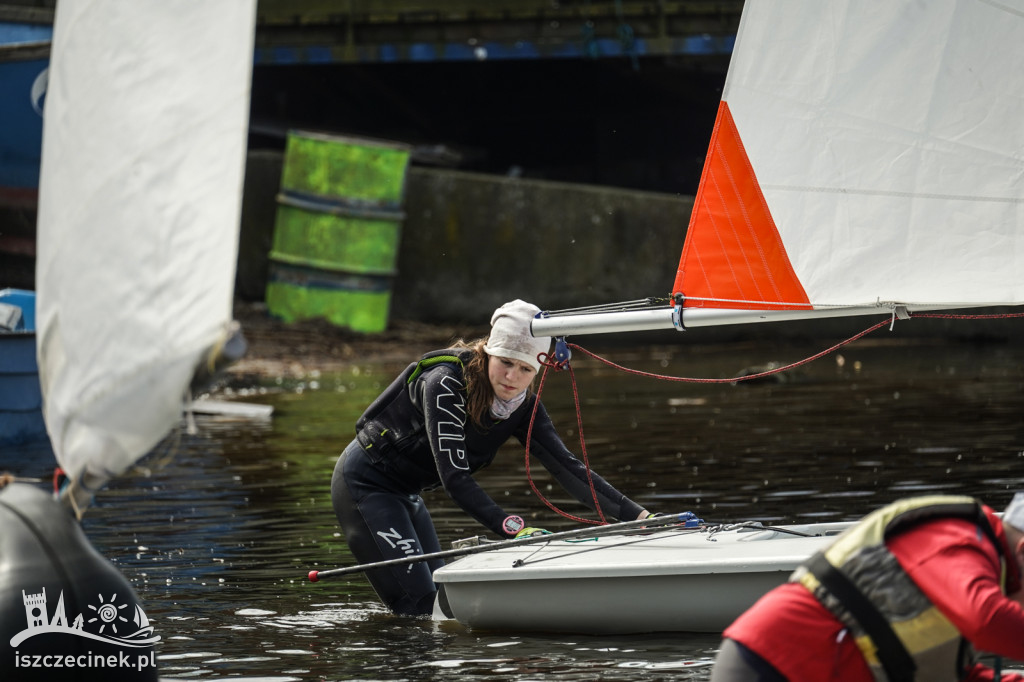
(583, 446)
(751, 526)
(657, 534)
(548, 364)
(731, 380)
(653, 302)
(636, 304)
(654, 535)
(881, 305)
(951, 316)
(522, 562)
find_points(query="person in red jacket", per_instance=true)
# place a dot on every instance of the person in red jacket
(902, 595)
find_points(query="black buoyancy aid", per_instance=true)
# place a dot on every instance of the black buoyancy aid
(399, 387)
(902, 635)
(392, 423)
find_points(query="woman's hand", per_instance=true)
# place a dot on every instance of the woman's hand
(531, 531)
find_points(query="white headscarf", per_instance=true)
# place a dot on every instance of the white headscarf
(510, 334)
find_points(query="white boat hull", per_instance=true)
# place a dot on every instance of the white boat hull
(664, 581)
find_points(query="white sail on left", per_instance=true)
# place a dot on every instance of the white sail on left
(144, 139)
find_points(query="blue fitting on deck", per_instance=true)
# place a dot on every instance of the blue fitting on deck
(562, 352)
(690, 520)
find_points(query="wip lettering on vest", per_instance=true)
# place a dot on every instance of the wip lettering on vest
(452, 433)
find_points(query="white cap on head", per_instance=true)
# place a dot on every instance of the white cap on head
(1014, 514)
(510, 334)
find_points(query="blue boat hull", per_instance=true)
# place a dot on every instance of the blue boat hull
(21, 399)
(21, 402)
(23, 64)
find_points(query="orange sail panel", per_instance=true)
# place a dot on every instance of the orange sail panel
(733, 251)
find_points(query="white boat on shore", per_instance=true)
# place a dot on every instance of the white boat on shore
(672, 579)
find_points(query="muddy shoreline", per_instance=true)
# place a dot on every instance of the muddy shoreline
(277, 349)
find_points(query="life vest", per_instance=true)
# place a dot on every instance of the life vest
(451, 356)
(392, 427)
(901, 634)
(394, 400)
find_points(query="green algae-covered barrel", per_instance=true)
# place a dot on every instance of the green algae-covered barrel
(338, 229)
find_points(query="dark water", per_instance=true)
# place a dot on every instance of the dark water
(218, 539)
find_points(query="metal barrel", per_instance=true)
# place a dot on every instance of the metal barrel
(337, 231)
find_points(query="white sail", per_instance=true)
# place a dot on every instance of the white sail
(886, 140)
(867, 153)
(144, 139)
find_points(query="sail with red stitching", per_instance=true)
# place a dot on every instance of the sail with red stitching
(734, 253)
(864, 153)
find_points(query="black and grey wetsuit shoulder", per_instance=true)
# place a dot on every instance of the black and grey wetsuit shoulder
(417, 433)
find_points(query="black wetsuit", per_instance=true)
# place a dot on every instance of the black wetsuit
(416, 437)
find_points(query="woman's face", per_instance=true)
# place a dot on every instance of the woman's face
(508, 377)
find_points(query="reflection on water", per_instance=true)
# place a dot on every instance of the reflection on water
(219, 539)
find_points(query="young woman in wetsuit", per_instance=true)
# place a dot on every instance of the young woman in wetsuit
(441, 420)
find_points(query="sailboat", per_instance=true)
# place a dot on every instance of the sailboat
(867, 159)
(144, 142)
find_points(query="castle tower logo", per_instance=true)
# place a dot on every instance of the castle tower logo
(106, 620)
(35, 608)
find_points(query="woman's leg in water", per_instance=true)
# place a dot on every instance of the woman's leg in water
(380, 525)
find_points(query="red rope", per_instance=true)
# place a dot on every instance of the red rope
(58, 479)
(949, 316)
(735, 379)
(557, 366)
(550, 364)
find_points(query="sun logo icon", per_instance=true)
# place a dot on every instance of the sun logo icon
(108, 613)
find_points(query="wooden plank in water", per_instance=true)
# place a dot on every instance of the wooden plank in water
(231, 409)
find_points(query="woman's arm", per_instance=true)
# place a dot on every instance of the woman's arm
(442, 395)
(570, 472)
